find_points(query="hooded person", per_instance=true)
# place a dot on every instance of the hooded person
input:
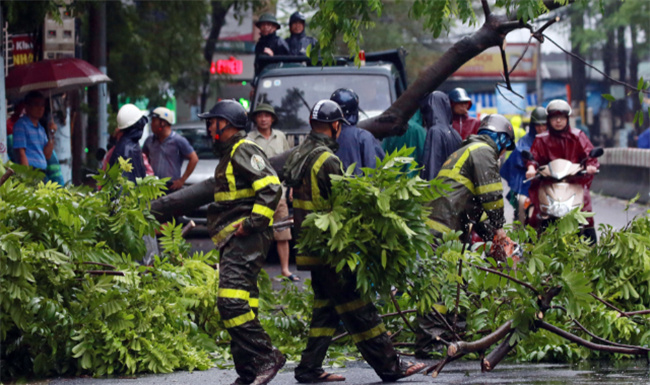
(442, 140)
(356, 145)
(513, 169)
(561, 141)
(299, 41)
(130, 126)
(461, 103)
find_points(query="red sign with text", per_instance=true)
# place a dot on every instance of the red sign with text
(23, 52)
(231, 66)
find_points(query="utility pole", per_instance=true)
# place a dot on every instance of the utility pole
(3, 99)
(102, 98)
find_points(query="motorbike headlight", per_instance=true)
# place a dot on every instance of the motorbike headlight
(558, 209)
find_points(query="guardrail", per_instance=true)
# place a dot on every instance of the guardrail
(624, 173)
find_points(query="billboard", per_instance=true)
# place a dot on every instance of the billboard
(489, 64)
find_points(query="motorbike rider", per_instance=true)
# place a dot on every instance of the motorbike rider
(130, 127)
(460, 105)
(246, 193)
(442, 140)
(336, 299)
(299, 41)
(356, 144)
(514, 168)
(561, 141)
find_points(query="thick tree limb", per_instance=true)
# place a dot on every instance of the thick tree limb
(462, 347)
(636, 351)
(184, 200)
(609, 305)
(492, 360)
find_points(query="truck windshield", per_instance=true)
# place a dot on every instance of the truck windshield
(293, 96)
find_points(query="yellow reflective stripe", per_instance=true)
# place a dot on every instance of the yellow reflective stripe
(351, 306)
(372, 333)
(456, 176)
(239, 320)
(437, 226)
(227, 230)
(320, 303)
(232, 195)
(254, 302)
(263, 210)
(263, 182)
(303, 205)
(302, 260)
(498, 204)
(315, 191)
(321, 332)
(233, 293)
(488, 188)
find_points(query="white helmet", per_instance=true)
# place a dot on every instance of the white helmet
(128, 115)
(558, 106)
(163, 113)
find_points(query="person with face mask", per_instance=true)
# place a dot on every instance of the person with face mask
(299, 41)
(246, 194)
(560, 141)
(460, 105)
(514, 168)
(308, 170)
(130, 127)
(442, 140)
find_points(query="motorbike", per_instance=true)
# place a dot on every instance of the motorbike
(557, 194)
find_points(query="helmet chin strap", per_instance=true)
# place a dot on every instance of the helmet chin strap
(219, 132)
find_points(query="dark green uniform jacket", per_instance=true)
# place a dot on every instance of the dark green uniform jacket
(307, 170)
(247, 190)
(473, 174)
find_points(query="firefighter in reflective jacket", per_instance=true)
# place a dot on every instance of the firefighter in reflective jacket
(336, 299)
(247, 191)
(472, 172)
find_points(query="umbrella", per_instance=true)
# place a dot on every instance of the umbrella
(53, 76)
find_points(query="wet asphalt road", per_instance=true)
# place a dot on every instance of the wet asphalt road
(608, 210)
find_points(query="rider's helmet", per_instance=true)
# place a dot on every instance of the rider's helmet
(348, 100)
(558, 106)
(459, 95)
(267, 18)
(229, 110)
(327, 111)
(498, 124)
(297, 17)
(538, 116)
(163, 113)
(129, 115)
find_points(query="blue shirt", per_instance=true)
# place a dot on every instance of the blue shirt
(644, 139)
(33, 139)
(514, 168)
(358, 146)
(166, 158)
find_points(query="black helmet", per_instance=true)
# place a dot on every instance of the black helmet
(267, 18)
(229, 110)
(349, 103)
(459, 95)
(538, 116)
(499, 124)
(327, 111)
(296, 16)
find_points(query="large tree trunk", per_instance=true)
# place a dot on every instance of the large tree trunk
(218, 18)
(493, 32)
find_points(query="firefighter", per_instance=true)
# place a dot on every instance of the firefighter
(336, 299)
(246, 193)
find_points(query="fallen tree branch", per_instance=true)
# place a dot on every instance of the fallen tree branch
(99, 264)
(492, 360)
(437, 367)
(396, 313)
(524, 284)
(462, 347)
(609, 305)
(6, 175)
(636, 351)
(104, 272)
(406, 321)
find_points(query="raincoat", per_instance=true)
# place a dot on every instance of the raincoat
(129, 148)
(441, 139)
(414, 137)
(472, 172)
(298, 43)
(465, 125)
(570, 144)
(247, 191)
(514, 168)
(358, 146)
(272, 41)
(336, 299)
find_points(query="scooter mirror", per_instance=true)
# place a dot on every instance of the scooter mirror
(527, 155)
(596, 152)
